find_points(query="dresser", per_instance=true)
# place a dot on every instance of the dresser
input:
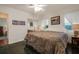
(3, 41)
(75, 41)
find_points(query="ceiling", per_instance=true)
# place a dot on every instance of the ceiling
(49, 9)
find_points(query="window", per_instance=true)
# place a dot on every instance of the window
(67, 24)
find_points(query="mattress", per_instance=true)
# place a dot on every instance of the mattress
(47, 42)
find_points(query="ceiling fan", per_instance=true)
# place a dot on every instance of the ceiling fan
(37, 7)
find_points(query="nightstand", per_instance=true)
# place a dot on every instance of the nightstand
(75, 41)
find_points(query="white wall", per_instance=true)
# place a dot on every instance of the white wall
(59, 27)
(16, 32)
(46, 21)
(73, 17)
(3, 22)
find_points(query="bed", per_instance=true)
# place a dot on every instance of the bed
(47, 42)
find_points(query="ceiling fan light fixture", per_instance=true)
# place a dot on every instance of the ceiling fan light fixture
(37, 7)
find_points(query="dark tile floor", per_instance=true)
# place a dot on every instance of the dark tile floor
(16, 48)
(72, 49)
(19, 48)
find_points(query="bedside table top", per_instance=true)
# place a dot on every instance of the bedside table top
(75, 37)
(3, 38)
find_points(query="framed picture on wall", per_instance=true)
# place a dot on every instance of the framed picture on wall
(16, 22)
(55, 20)
(31, 23)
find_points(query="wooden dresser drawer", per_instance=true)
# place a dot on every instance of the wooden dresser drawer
(3, 42)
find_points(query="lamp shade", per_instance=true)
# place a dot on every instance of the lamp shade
(76, 30)
(76, 27)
